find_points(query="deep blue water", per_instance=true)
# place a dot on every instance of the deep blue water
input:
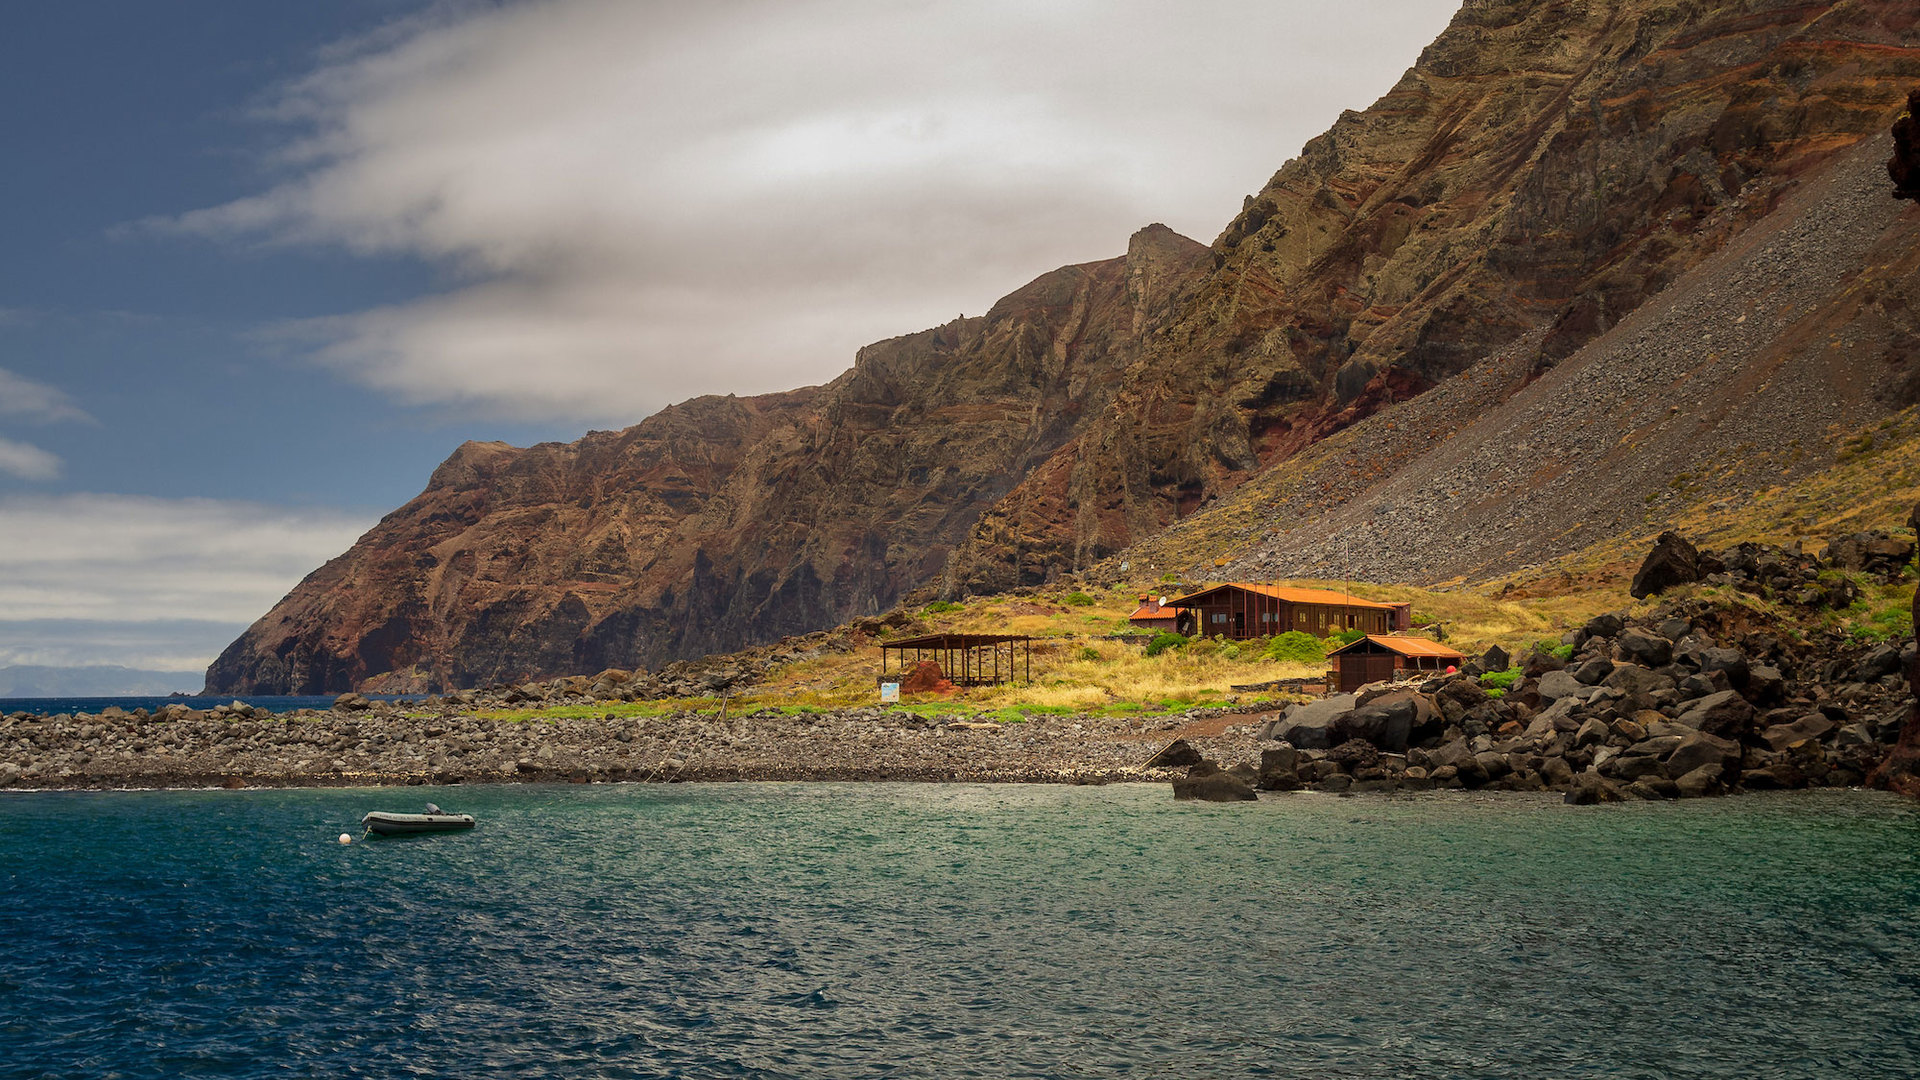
(950, 931)
(275, 702)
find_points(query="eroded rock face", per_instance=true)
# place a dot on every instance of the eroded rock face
(1904, 166)
(1592, 152)
(722, 521)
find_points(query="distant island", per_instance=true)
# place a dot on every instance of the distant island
(93, 680)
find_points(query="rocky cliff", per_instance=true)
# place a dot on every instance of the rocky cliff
(1538, 174)
(718, 522)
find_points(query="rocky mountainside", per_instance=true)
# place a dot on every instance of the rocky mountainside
(1747, 376)
(1542, 171)
(718, 522)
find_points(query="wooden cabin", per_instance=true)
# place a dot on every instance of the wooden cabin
(1153, 615)
(1378, 657)
(1241, 610)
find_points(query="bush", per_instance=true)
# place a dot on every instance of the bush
(1164, 640)
(1347, 637)
(1089, 653)
(1500, 680)
(1562, 651)
(1295, 647)
(939, 607)
(1079, 599)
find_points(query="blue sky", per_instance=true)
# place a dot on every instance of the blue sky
(267, 264)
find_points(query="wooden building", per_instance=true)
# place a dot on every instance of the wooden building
(1377, 657)
(1153, 614)
(1240, 610)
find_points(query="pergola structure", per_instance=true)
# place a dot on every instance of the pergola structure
(965, 659)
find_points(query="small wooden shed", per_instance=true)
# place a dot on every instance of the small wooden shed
(1378, 657)
(964, 659)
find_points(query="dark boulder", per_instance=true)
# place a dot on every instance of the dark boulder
(1605, 626)
(1178, 754)
(1725, 714)
(1673, 561)
(1496, 659)
(1214, 787)
(1309, 726)
(1280, 769)
(1385, 724)
(1636, 646)
(1699, 750)
(1884, 660)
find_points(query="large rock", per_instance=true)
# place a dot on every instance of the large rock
(1698, 750)
(1178, 754)
(1673, 561)
(1814, 725)
(1633, 679)
(1385, 724)
(1555, 685)
(1309, 726)
(1636, 646)
(1725, 714)
(1214, 787)
(1280, 769)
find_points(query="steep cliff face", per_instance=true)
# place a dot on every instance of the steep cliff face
(718, 522)
(1540, 172)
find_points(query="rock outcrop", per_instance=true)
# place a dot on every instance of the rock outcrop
(1904, 165)
(722, 521)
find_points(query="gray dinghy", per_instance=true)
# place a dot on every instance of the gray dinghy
(381, 823)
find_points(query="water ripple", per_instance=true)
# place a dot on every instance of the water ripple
(952, 931)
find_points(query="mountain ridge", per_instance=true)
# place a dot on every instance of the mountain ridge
(1539, 174)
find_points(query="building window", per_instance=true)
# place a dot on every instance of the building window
(1220, 617)
(1269, 616)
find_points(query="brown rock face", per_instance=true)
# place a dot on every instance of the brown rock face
(1904, 166)
(719, 522)
(1542, 170)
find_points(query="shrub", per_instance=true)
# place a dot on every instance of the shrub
(1164, 640)
(1500, 680)
(1230, 652)
(1079, 599)
(1562, 651)
(1347, 637)
(1295, 647)
(1089, 653)
(939, 607)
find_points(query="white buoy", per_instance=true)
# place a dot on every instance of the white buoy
(346, 838)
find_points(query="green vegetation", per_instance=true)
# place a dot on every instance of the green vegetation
(941, 607)
(1295, 647)
(1164, 640)
(1079, 599)
(1500, 680)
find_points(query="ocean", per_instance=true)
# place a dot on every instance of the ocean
(823, 930)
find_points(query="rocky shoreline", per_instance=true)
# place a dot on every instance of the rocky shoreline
(380, 744)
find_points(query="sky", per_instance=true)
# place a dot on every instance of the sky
(266, 265)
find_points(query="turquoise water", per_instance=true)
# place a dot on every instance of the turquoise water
(946, 931)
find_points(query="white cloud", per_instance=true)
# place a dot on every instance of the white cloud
(171, 645)
(21, 396)
(129, 559)
(649, 201)
(27, 462)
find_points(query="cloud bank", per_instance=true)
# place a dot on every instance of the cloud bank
(644, 201)
(148, 582)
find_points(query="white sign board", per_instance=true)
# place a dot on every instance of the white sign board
(889, 691)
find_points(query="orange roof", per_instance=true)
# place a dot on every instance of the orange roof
(1288, 593)
(1154, 613)
(1406, 646)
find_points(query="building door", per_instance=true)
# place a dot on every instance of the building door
(1359, 669)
